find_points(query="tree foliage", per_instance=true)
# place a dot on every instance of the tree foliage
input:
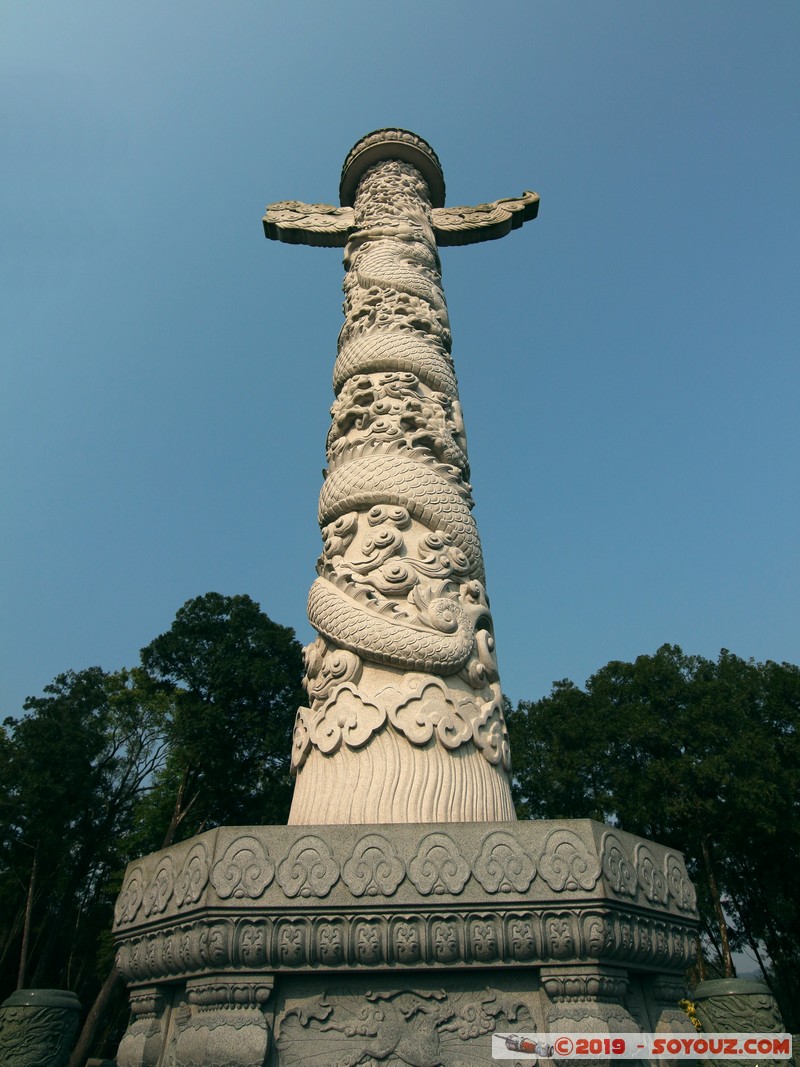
(236, 680)
(74, 767)
(700, 755)
(106, 766)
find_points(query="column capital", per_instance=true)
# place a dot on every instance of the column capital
(391, 144)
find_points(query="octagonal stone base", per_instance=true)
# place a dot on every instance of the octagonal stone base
(397, 944)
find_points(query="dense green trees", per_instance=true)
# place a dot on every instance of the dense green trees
(235, 677)
(700, 755)
(106, 766)
(73, 768)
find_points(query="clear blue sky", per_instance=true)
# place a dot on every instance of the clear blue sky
(628, 362)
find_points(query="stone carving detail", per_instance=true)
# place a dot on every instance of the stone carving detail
(188, 938)
(308, 224)
(309, 870)
(330, 943)
(438, 866)
(567, 864)
(680, 887)
(598, 935)
(405, 653)
(617, 868)
(252, 942)
(661, 945)
(147, 1003)
(522, 938)
(292, 947)
(743, 1005)
(436, 938)
(226, 1025)
(330, 227)
(560, 935)
(650, 878)
(590, 1001)
(160, 888)
(406, 941)
(368, 941)
(445, 941)
(130, 899)
(421, 709)
(193, 877)
(502, 866)
(374, 868)
(643, 932)
(38, 1027)
(582, 987)
(213, 948)
(245, 990)
(423, 1028)
(244, 871)
(486, 222)
(484, 939)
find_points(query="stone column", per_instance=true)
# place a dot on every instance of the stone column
(414, 942)
(144, 1039)
(404, 722)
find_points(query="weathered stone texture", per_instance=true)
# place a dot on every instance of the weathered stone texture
(561, 914)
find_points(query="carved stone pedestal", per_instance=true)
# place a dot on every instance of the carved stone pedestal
(397, 944)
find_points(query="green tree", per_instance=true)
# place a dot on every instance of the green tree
(699, 755)
(73, 766)
(106, 766)
(233, 681)
(560, 750)
(235, 676)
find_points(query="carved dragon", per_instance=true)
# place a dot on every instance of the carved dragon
(405, 654)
